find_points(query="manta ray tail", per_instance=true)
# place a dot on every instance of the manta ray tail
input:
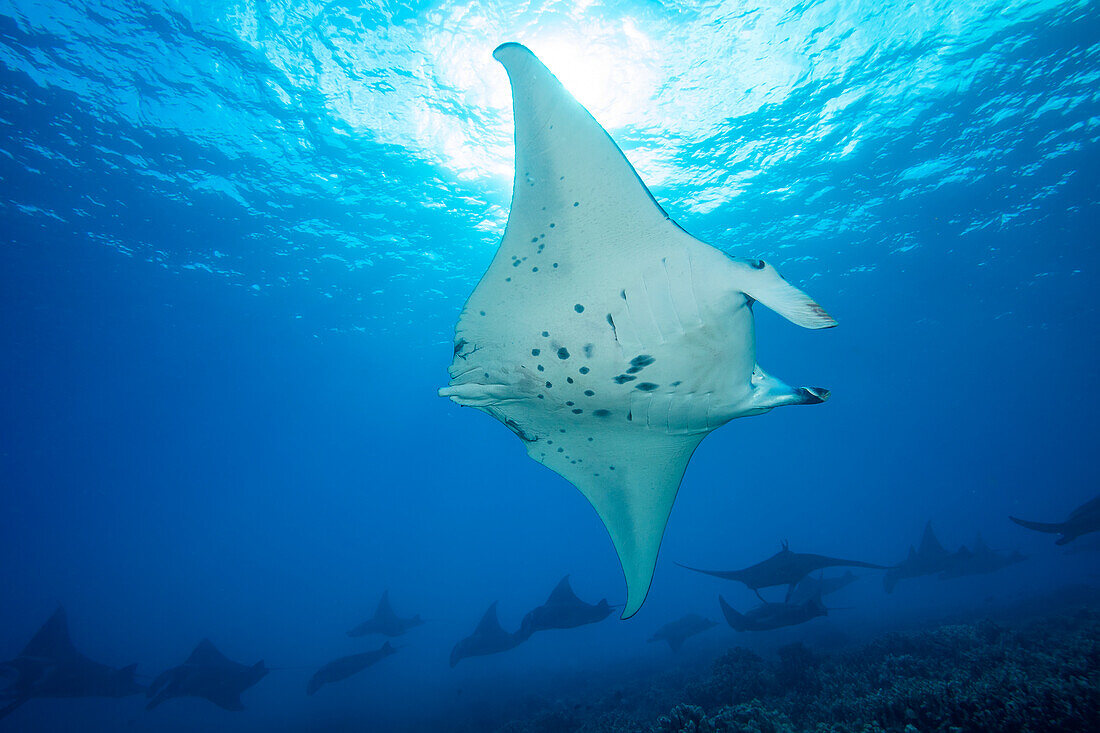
(724, 574)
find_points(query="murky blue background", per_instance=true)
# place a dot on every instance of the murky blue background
(236, 237)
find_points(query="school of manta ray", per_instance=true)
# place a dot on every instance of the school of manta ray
(610, 342)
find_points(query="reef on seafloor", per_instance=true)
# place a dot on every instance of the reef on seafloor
(1038, 675)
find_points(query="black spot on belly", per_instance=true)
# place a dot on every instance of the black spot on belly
(634, 369)
(482, 312)
(642, 360)
(534, 269)
(576, 203)
(541, 369)
(577, 411)
(630, 417)
(622, 294)
(623, 378)
(583, 370)
(545, 334)
(555, 264)
(646, 386)
(588, 393)
(569, 379)
(563, 353)
(534, 239)
(588, 350)
(601, 413)
(677, 383)
(536, 352)
(548, 385)
(552, 225)
(568, 404)
(579, 308)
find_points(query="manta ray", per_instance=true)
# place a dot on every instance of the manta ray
(209, 674)
(931, 557)
(783, 568)
(50, 666)
(607, 338)
(979, 560)
(1082, 520)
(344, 667)
(771, 616)
(385, 621)
(678, 631)
(811, 587)
(563, 610)
(488, 638)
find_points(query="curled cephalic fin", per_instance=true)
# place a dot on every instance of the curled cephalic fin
(763, 282)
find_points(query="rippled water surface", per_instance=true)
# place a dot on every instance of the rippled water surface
(362, 151)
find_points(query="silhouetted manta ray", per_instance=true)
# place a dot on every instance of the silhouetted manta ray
(811, 587)
(344, 667)
(772, 615)
(608, 339)
(1082, 520)
(783, 568)
(978, 561)
(209, 674)
(563, 610)
(678, 631)
(488, 638)
(385, 621)
(931, 558)
(50, 666)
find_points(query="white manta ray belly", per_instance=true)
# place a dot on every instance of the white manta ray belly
(603, 335)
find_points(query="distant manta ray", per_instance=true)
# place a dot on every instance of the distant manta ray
(385, 621)
(488, 638)
(772, 616)
(344, 667)
(563, 610)
(783, 568)
(209, 674)
(678, 631)
(50, 666)
(608, 339)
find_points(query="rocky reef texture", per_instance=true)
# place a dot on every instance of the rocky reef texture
(1038, 676)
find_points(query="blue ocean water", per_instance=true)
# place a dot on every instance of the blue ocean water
(237, 237)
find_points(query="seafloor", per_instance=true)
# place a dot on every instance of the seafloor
(1035, 667)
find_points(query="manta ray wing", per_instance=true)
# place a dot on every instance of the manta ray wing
(52, 640)
(602, 334)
